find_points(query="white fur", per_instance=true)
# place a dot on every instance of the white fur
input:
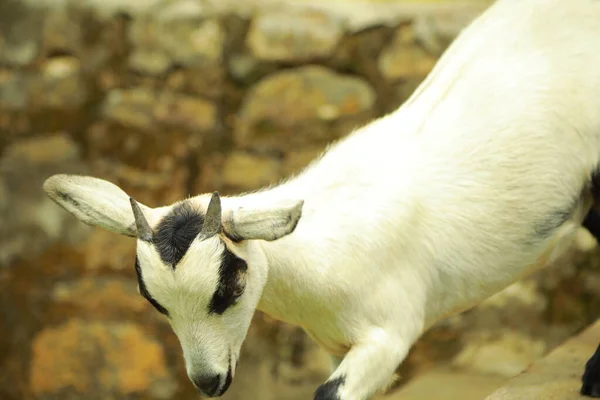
(420, 214)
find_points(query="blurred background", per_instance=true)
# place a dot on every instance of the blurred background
(170, 98)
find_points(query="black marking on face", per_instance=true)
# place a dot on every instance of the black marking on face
(231, 282)
(144, 291)
(329, 390)
(176, 232)
(592, 224)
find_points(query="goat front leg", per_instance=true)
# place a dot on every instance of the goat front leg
(369, 366)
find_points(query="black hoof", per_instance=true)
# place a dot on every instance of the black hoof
(329, 390)
(591, 376)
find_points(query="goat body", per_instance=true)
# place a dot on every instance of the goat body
(481, 178)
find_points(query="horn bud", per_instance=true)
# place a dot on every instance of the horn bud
(212, 220)
(144, 232)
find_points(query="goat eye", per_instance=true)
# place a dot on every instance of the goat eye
(238, 291)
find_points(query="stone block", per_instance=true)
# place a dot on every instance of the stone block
(99, 360)
(248, 171)
(31, 221)
(403, 58)
(294, 37)
(300, 106)
(145, 109)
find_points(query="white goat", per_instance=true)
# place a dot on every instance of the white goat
(479, 179)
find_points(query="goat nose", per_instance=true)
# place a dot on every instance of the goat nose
(207, 384)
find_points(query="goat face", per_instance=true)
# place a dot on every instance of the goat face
(200, 280)
(199, 266)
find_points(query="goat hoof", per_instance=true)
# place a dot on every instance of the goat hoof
(591, 390)
(591, 376)
(329, 390)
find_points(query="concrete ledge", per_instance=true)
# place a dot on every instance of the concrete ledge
(558, 375)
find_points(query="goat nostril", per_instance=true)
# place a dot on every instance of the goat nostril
(207, 384)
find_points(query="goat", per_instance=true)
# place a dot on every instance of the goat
(479, 179)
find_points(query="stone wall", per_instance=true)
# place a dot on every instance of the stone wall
(172, 98)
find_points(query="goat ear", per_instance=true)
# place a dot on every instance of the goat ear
(95, 202)
(276, 221)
